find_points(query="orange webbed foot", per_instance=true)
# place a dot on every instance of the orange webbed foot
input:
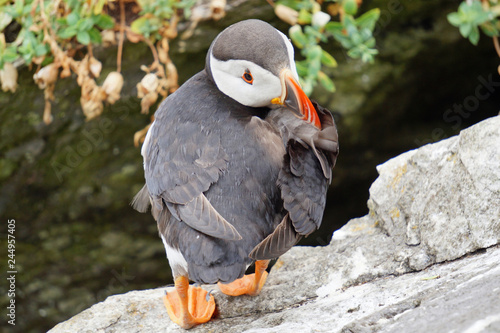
(249, 284)
(187, 305)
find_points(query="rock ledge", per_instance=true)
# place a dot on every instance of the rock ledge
(425, 259)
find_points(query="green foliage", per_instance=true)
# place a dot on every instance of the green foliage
(84, 27)
(155, 14)
(354, 34)
(7, 54)
(75, 23)
(475, 15)
(79, 23)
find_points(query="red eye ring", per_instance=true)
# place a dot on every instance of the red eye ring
(247, 77)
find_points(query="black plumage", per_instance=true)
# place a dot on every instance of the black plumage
(229, 183)
(224, 151)
(303, 178)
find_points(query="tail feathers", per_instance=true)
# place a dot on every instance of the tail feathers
(141, 201)
(215, 273)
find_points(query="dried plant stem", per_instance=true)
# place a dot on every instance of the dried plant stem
(156, 61)
(121, 37)
(497, 45)
(89, 48)
(140, 135)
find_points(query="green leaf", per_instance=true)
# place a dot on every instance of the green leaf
(474, 36)
(343, 39)
(47, 60)
(305, 17)
(83, 37)
(356, 38)
(365, 34)
(334, 27)
(41, 49)
(367, 57)
(95, 36)
(85, 24)
(327, 59)
(27, 57)
(454, 19)
(489, 29)
(315, 52)
(75, 4)
(27, 9)
(138, 26)
(313, 32)
(146, 26)
(105, 22)
(99, 6)
(67, 32)
(62, 21)
(326, 82)
(350, 7)
(349, 24)
(368, 19)
(18, 8)
(5, 20)
(465, 29)
(354, 53)
(307, 85)
(370, 42)
(301, 67)
(314, 58)
(297, 36)
(10, 54)
(73, 18)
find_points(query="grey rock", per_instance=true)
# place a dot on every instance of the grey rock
(425, 259)
(442, 200)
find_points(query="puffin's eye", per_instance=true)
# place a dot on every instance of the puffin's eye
(247, 77)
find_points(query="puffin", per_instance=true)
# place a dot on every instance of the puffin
(237, 164)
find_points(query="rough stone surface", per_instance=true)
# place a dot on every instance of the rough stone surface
(425, 259)
(442, 200)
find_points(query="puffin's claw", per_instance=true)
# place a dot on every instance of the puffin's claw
(188, 306)
(209, 294)
(249, 284)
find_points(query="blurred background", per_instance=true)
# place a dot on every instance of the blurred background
(68, 184)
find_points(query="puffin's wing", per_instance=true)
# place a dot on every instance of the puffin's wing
(181, 161)
(303, 179)
(303, 188)
(327, 140)
(141, 200)
(199, 214)
(324, 143)
(283, 238)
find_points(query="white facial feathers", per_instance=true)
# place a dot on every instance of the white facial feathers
(265, 86)
(291, 54)
(228, 78)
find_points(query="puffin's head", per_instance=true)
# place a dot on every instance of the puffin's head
(253, 63)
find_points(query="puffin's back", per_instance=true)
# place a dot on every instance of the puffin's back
(203, 142)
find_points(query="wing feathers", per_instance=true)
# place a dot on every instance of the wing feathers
(141, 200)
(199, 214)
(281, 240)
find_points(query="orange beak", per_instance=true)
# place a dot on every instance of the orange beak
(295, 99)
